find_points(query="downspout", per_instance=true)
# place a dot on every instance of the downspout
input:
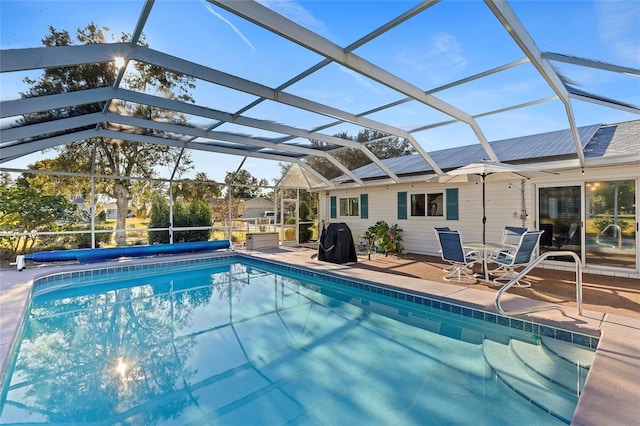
(523, 207)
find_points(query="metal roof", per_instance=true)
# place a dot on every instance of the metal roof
(273, 115)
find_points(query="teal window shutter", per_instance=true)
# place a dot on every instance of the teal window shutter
(364, 206)
(402, 205)
(452, 203)
(334, 207)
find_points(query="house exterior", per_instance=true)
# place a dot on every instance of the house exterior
(111, 210)
(590, 211)
(256, 207)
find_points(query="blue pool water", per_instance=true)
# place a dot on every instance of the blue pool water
(238, 342)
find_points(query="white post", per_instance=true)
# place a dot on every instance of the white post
(170, 212)
(298, 216)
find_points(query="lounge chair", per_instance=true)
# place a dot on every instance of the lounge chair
(508, 261)
(453, 253)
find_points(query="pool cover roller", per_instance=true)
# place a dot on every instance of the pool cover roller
(100, 254)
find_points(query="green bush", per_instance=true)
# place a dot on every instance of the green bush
(306, 233)
(159, 218)
(289, 234)
(84, 240)
(195, 213)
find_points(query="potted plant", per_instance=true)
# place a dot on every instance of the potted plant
(384, 238)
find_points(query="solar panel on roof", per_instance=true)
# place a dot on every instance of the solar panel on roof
(549, 144)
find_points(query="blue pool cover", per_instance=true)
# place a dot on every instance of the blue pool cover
(99, 254)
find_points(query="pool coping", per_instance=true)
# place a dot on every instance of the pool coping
(610, 392)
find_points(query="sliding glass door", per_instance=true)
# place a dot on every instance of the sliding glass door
(559, 216)
(601, 229)
(610, 223)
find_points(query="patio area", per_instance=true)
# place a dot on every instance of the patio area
(602, 293)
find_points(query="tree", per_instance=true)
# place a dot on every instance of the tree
(68, 186)
(249, 184)
(114, 157)
(352, 158)
(221, 210)
(199, 189)
(26, 209)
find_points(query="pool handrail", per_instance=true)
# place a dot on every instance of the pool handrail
(546, 307)
(618, 234)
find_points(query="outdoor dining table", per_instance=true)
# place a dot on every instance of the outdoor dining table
(485, 250)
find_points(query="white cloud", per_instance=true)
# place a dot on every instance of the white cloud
(440, 60)
(360, 79)
(298, 14)
(618, 23)
(226, 21)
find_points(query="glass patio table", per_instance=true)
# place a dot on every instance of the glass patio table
(485, 250)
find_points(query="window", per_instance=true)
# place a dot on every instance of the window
(418, 205)
(427, 204)
(435, 204)
(349, 206)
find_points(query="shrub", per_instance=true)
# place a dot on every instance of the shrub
(289, 234)
(195, 213)
(306, 233)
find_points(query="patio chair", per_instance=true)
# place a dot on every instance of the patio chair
(508, 261)
(453, 253)
(568, 237)
(437, 229)
(510, 240)
(511, 235)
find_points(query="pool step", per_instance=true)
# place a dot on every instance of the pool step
(572, 353)
(553, 368)
(528, 383)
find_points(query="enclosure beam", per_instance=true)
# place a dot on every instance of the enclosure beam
(518, 32)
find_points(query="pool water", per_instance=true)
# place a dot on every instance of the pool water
(236, 343)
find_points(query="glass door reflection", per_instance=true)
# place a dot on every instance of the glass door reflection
(610, 218)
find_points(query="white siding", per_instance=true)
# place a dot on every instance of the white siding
(503, 206)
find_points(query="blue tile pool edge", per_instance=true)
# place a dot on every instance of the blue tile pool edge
(52, 281)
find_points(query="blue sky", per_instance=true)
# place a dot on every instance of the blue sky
(449, 41)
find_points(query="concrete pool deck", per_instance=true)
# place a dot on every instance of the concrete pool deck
(611, 391)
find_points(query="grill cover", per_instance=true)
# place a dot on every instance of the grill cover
(336, 244)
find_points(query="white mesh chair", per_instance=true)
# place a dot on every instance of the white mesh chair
(508, 261)
(510, 240)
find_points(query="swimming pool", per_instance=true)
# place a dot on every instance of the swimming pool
(233, 340)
